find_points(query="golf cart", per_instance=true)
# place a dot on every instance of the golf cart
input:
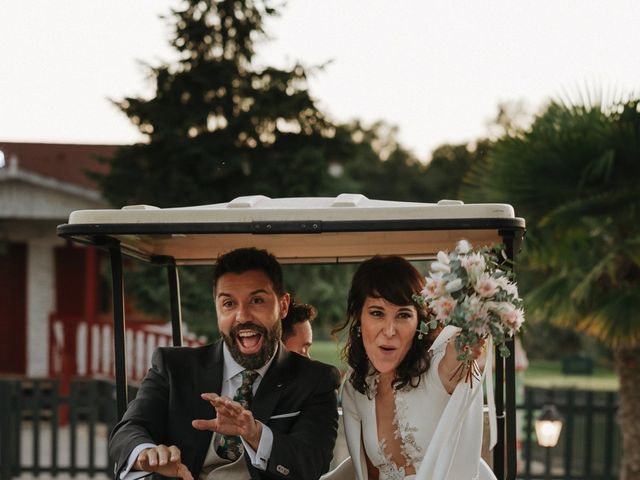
(347, 228)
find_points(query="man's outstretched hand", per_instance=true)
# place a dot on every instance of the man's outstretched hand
(231, 419)
(163, 460)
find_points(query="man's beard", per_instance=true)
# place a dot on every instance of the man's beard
(270, 342)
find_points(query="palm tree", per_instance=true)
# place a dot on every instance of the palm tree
(575, 176)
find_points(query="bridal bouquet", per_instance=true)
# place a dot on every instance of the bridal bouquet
(472, 289)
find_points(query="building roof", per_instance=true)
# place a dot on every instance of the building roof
(65, 163)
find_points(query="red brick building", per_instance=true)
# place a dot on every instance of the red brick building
(54, 317)
(40, 184)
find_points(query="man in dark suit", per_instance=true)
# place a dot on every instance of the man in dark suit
(274, 412)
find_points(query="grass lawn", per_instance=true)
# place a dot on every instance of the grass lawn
(328, 351)
(548, 373)
(541, 373)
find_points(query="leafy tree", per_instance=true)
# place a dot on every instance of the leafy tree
(448, 167)
(217, 126)
(574, 176)
(324, 286)
(380, 167)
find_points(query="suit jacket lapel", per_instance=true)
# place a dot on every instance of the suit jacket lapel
(209, 380)
(271, 387)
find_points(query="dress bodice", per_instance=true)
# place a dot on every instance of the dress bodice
(417, 411)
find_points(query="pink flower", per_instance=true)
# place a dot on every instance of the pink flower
(486, 286)
(514, 317)
(511, 316)
(442, 307)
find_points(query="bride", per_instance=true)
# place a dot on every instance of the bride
(406, 414)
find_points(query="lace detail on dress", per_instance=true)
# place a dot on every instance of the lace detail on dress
(411, 451)
(403, 431)
(388, 470)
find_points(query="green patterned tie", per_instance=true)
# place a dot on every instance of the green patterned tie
(231, 445)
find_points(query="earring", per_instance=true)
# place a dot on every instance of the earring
(358, 331)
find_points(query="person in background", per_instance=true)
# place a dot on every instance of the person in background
(297, 334)
(243, 407)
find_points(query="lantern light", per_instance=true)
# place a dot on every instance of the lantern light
(548, 426)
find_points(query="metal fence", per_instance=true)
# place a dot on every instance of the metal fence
(49, 428)
(589, 447)
(53, 429)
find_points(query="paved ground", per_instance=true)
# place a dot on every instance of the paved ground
(82, 450)
(100, 451)
(64, 449)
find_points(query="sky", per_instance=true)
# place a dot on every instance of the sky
(436, 70)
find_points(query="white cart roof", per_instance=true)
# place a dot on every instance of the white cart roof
(349, 227)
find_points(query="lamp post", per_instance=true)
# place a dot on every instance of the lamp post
(548, 426)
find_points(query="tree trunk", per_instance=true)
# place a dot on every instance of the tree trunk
(628, 366)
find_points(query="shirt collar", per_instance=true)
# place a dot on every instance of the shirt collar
(231, 368)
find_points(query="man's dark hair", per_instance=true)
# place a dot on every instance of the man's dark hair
(243, 260)
(298, 313)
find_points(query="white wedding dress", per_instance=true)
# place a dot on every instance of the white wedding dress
(441, 434)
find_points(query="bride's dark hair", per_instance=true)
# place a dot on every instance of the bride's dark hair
(396, 280)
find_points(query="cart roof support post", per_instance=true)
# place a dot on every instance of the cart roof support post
(176, 311)
(505, 391)
(119, 339)
(499, 449)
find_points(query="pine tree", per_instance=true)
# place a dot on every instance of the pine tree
(218, 127)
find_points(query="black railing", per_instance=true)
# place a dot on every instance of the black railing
(51, 431)
(589, 445)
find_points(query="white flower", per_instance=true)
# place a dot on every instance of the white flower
(440, 267)
(453, 285)
(463, 247)
(474, 264)
(434, 287)
(443, 258)
(486, 286)
(505, 284)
